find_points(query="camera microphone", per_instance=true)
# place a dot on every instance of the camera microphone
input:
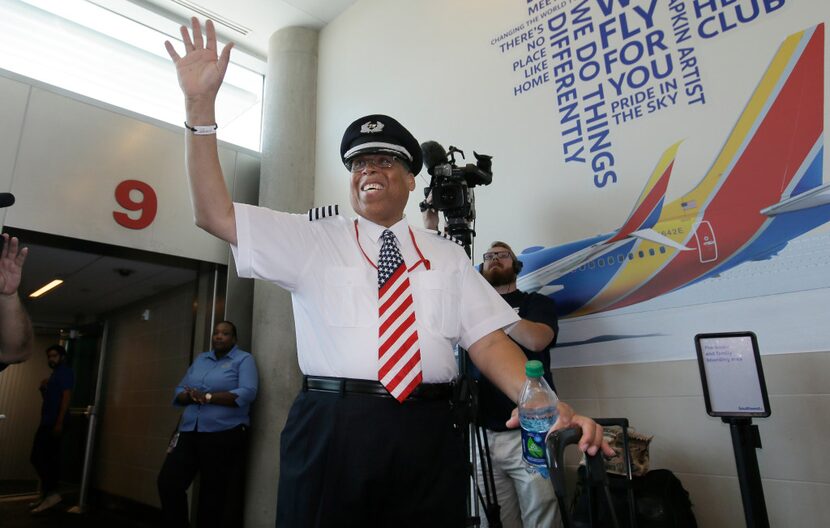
(434, 155)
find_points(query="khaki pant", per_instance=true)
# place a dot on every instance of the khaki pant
(525, 499)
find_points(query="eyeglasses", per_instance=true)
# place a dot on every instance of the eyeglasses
(497, 255)
(381, 162)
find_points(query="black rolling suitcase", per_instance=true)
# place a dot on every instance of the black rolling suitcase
(602, 509)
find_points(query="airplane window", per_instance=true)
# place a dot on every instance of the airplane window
(641, 254)
(620, 258)
(601, 263)
(582, 267)
(610, 261)
(631, 256)
(662, 249)
(651, 252)
(591, 265)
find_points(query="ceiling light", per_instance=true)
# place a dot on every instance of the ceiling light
(54, 284)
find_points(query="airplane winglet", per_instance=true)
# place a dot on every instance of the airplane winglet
(647, 210)
(813, 198)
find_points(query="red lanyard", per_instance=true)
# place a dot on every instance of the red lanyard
(414, 243)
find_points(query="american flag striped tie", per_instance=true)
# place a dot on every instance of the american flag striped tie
(399, 355)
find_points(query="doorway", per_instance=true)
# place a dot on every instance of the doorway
(159, 310)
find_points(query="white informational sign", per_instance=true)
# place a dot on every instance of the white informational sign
(733, 380)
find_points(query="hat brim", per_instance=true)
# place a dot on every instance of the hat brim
(377, 148)
(373, 147)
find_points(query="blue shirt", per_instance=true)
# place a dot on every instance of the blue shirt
(61, 379)
(235, 372)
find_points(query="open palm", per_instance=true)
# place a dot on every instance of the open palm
(11, 265)
(201, 70)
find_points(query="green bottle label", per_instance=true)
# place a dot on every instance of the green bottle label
(533, 447)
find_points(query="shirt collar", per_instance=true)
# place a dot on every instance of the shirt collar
(374, 231)
(231, 354)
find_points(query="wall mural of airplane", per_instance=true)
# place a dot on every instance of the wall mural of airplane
(764, 189)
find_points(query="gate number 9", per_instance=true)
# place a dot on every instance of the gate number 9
(147, 204)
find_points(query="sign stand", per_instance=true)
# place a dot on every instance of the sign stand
(734, 390)
(745, 440)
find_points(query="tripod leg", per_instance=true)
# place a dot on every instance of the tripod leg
(492, 510)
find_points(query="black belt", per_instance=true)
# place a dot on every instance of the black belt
(424, 391)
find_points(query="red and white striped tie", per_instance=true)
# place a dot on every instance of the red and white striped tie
(399, 355)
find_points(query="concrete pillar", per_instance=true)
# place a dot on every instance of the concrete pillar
(286, 184)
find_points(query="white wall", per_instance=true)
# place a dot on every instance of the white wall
(431, 64)
(63, 156)
(665, 399)
(144, 363)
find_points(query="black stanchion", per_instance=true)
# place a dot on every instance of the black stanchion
(745, 440)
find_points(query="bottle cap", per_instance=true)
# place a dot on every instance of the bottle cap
(534, 369)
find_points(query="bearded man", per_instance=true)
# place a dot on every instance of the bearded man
(524, 499)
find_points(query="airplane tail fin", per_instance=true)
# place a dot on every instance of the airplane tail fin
(778, 134)
(647, 210)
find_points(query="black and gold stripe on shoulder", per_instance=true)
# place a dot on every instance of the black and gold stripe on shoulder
(449, 237)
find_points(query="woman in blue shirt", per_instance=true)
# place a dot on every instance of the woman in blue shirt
(216, 391)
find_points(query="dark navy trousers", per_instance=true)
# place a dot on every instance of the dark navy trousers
(349, 459)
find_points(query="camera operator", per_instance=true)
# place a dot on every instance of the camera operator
(524, 499)
(370, 439)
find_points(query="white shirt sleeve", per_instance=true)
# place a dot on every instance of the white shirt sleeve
(271, 245)
(482, 309)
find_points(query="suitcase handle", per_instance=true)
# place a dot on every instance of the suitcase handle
(556, 443)
(555, 455)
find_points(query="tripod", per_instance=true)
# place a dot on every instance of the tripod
(466, 397)
(478, 451)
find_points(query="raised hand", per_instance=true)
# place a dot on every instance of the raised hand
(11, 265)
(200, 71)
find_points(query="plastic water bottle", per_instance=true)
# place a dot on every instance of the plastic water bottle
(537, 414)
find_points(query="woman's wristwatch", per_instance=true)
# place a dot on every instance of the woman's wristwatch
(208, 397)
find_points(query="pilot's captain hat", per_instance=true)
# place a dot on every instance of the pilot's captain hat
(380, 134)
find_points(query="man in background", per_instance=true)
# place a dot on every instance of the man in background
(526, 499)
(46, 448)
(15, 327)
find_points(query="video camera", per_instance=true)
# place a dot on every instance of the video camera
(452, 187)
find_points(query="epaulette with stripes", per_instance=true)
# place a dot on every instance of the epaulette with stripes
(449, 237)
(318, 213)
